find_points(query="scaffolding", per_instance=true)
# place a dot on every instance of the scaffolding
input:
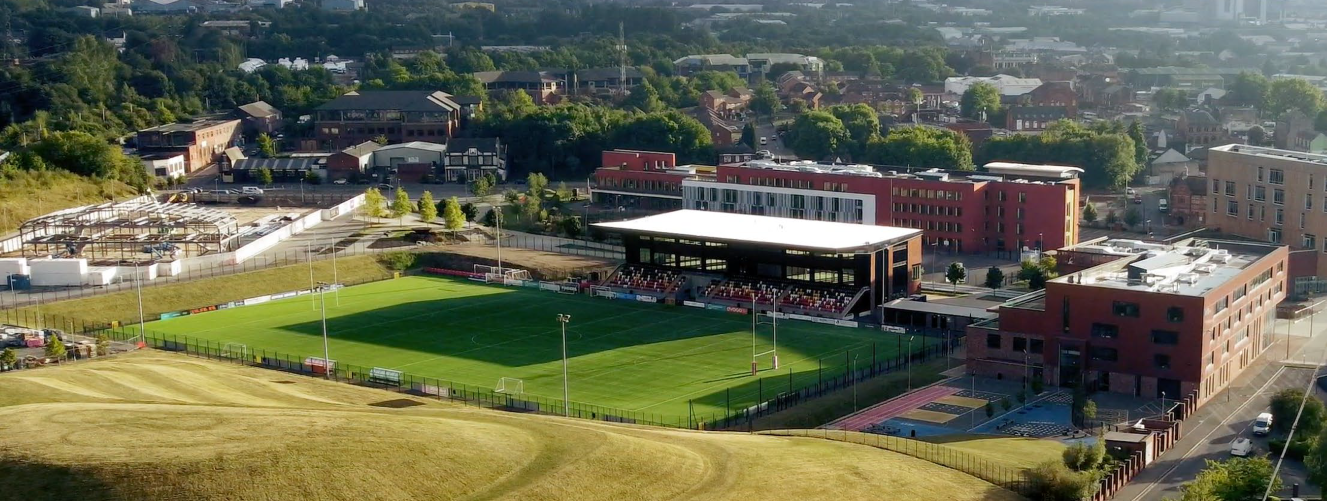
(131, 231)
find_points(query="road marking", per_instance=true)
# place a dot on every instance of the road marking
(1205, 438)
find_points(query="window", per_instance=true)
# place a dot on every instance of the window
(1230, 188)
(1280, 216)
(1232, 208)
(1105, 353)
(1161, 361)
(993, 341)
(1125, 309)
(1216, 186)
(1260, 194)
(1308, 201)
(1022, 197)
(1221, 304)
(1020, 343)
(1279, 196)
(1276, 177)
(1175, 314)
(1165, 337)
(1107, 331)
(1209, 358)
(1260, 174)
(1309, 241)
(1036, 345)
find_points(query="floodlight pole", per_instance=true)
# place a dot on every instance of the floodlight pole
(854, 381)
(774, 315)
(327, 354)
(909, 355)
(138, 284)
(497, 219)
(566, 398)
(755, 318)
(337, 292)
(308, 256)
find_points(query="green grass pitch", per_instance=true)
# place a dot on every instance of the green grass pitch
(647, 358)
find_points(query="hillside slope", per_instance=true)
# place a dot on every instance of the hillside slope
(159, 426)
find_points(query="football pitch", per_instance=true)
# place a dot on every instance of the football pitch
(646, 358)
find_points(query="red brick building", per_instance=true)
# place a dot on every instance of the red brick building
(634, 179)
(1058, 94)
(201, 141)
(1188, 201)
(1156, 319)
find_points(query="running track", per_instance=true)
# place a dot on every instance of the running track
(891, 408)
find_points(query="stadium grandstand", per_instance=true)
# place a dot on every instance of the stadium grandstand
(814, 268)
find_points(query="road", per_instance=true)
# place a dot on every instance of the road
(765, 129)
(1209, 432)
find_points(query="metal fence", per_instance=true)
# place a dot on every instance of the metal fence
(1013, 479)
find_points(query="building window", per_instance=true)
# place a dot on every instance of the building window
(1107, 331)
(1020, 344)
(1280, 216)
(1035, 346)
(993, 341)
(1279, 196)
(1308, 201)
(1276, 177)
(1125, 309)
(1161, 361)
(1165, 337)
(1175, 314)
(1232, 208)
(1260, 194)
(1309, 241)
(1022, 197)
(1105, 353)
(1260, 174)
(1230, 188)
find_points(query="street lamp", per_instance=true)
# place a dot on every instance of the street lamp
(327, 355)
(566, 399)
(854, 381)
(138, 284)
(910, 338)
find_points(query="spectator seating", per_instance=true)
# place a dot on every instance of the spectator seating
(816, 299)
(645, 279)
(741, 290)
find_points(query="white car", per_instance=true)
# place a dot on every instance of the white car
(251, 190)
(1262, 425)
(340, 181)
(1241, 447)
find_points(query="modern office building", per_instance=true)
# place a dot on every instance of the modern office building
(1152, 320)
(1278, 196)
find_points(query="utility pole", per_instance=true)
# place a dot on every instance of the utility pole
(566, 398)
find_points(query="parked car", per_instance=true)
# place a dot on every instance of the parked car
(251, 190)
(1262, 425)
(341, 181)
(764, 140)
(1138, 199)
(1130, 192)
(385, 186)
(1163, 205)
(1241, 447)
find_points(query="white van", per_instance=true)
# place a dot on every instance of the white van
(763, 140)
(1163, 205)
(251, 190)
(1263, 425)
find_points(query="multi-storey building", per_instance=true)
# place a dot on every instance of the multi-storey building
(201, 141)
(1279, 196)
(1150, 320)
(645, 180)
(398, 115)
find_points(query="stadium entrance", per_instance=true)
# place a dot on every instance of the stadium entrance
(816, 268)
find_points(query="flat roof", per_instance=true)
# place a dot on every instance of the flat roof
(1051, 171)
(1189, 270)
(785, 232)
(953, 310)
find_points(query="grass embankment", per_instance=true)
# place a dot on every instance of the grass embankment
(115, 429)
(123, 306)
(842, 403)
(1015, 452)
(25, 194)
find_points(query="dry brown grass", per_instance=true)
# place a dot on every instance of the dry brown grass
(25, 195)
(158, 426)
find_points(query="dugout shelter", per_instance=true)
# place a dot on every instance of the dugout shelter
(829, 269)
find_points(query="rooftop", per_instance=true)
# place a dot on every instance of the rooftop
(994, 171)
(1261, 151)
(1190, 270)
(193, 126)
(415, 145)
(402, 100)
(783, 232)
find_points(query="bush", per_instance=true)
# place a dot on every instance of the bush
(1038, 386)
(1083, 457)
(399, 261)
(990, 409)
(1053, 481)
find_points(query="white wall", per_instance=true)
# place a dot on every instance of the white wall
(271, 239)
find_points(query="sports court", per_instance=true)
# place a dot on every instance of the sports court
(648, 358)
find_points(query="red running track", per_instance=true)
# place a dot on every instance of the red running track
(892, 408)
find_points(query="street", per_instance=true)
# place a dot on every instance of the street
(1208, 432)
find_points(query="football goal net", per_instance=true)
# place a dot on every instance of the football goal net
(495, 275)
(510, 386)
(235, 350)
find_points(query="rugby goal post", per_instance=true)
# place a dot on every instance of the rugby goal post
(235, 350)
(510, 386)
(601, 291)
(495, 275)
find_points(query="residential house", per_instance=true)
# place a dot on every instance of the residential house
(1211, 96)
(735, 153)
(1061, 94)
(397, 115)
(1199, 129)
(601, 80)
(1033, 118)
(726, 105)
(976, 132)
(1188, 201)
(542, 86)
(722, 133)
(201, 141)
(470, 158)
(260, 117)
(351, 163)
(342, 5)
(84, 11)
(1170, 164)
(1289, 126)
(1311, 141)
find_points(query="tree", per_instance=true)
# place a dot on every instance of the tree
(818, 135)
(1083, 457)
(644, 98)
(764, 100)
(1285, 405)
(1170, 99)
(8, 359)
(1037, 272)
(537, 183)
(1296, 94)
(1234, 479)
(563, 192)
(956, 273)
(1132, 217)
(1258, 135)
(1090, 409)
(1138, 135)
(1053, 481)
(531, 207)
(994, 277)
(480, 187)
(428, 209)
(862, 123)
(266, 146)
(749, 135)
(452, 216)
(103, 345)
(1111, 217)
(55, 348)
(1319, 123)
(312, 177)
(493, 216)
(1316, 459)
(797, 105)
(470, 211)
(922, 147)
(668, 131)
(1090, 212)
(980, 99)
(381, 139)
(915, 96)
(1249, 89)
(373, 203)
(572, 226)
(264, 176)
(990, 409)
(401, 205)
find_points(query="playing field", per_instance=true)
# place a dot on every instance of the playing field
(648, 358)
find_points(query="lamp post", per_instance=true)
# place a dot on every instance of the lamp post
(910, 338)
(854, 381)
(327, 355)
(138, 284)
(1163, 403)
(566, 399)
